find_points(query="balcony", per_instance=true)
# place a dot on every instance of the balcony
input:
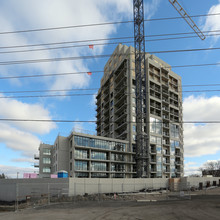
(36, 165)
(177, 154)
(166, 134)
(153, 152)
(121, 99)
(121, 125)
(178, 163)
(165, 117)
(152, 160)
(165, 109)
(165, 100)
(153, 170)
(36, 157)
(166, 162)
(166, 153)
(166, 126)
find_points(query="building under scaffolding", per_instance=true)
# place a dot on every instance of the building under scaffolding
(116, 110)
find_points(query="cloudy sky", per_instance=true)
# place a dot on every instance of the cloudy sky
(34, 52)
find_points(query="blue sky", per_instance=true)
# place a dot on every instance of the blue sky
(19, 141)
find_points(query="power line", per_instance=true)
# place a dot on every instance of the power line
(46, 75)
(87, 121)
(97, 24)
(77, 73)
(89, 89)
(57, 59)
(89, 94)
(95, 40)
(100, 44)
(53, 90)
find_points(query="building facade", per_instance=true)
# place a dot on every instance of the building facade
(116, 110)
(87, 156)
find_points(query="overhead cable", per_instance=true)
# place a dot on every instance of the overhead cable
(98, 24)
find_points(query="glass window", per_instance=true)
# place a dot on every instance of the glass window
(117, 157)
(81, 165)
(153, 139)
(133, 109)
(134, 137)
(117, 167)
(174, 131)
(81, 175)
(46, 169)
(159, 140)
(81, 154)
(159, 149)
(46, 160)
(99, 175)
(96, 143)
(46, 151)
(133, 119)
(159, 168)
(98, 155)
(112, 103)
(155, 125)
(172, 161)
(97, 166)
(134, 128)
(159, 159)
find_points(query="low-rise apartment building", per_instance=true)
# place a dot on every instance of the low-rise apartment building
(83, 155)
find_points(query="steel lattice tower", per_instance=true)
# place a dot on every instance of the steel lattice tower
(142, 140)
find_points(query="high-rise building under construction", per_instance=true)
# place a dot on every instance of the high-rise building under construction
(116, 110)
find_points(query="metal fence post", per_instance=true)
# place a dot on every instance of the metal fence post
(74, 191)
(16, 194)
(48, 191)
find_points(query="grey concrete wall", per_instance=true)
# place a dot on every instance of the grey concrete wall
(80, 186)
(12, 189)
(194, 181)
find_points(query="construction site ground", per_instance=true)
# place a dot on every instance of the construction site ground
(202, 204)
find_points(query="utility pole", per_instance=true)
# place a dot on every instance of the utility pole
(142, 139)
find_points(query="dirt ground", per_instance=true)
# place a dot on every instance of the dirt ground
(200, 206)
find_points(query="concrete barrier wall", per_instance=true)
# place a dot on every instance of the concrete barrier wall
(194, 181)
(13, 189)
(80, 186)
(18, 189)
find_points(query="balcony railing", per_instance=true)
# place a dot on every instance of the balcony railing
(36, 157)
(36, 165)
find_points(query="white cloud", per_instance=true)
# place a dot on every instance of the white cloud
(151, 8)
(19, 136)
(19, 140)
(26, 14)
(202, 139)
(25, 159)
(191, 168)
(35, 14)
(123, 7)
(13, 171)
(14, 109)
(93, 101)
(212, 23)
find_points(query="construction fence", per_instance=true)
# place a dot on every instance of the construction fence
(22, 193)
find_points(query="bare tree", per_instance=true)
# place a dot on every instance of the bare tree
(2, 176)
(211, 168)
